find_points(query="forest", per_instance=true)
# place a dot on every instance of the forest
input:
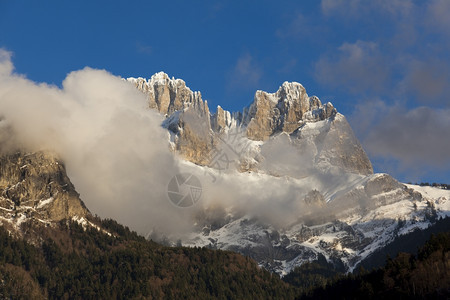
(73, 262)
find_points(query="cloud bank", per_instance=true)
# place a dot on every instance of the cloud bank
(117, 155)
(113, 146)
(417, 137)
(411, 142)
(399, 78)
(355, 67)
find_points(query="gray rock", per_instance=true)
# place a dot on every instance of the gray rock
(35, 189)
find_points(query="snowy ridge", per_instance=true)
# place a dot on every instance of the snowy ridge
(348, 239)
(159, 78)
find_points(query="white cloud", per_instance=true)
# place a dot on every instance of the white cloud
(114, 148)
(356, 67)
(417, 138)
(246, 73)
(360, 8)
(427, 80)
(6, 66)
(437, 17)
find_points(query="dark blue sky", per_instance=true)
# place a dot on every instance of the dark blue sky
(384, 64)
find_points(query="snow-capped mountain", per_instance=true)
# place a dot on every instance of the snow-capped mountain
(284, 181)
(289, 140)
(287, 118)
(344, 239)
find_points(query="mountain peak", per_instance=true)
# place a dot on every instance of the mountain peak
(162, 78)
(283, 111)
(168, 95)
(292, 89)
(288, 110)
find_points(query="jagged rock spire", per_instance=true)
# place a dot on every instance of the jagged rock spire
(288, 110)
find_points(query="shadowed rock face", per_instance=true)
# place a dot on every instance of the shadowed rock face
(34, 187)
(221, 120)
(343, 149)
(194, 140)
(332, 142)
(315, 198)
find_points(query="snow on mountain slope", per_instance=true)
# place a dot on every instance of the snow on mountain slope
(430, 192)
(286, 179)
(362, 214)
(345, 241)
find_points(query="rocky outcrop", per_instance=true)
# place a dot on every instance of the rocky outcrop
(188, 116)
(192, 137)
(322, 136)
(315, 198)
(169, 95)
(34, 188)
(221, 120)
(283, 111)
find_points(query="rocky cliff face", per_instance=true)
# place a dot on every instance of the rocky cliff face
(188, 116)
(34, 189)
(284, 111)
(221, 120)
(313, 127)
(168, 95)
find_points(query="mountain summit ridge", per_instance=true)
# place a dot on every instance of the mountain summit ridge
(197, 132)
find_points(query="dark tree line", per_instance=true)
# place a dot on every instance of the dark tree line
(422, 276)
(443, 186)
(73, 263)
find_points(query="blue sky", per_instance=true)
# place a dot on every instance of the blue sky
(384, 64)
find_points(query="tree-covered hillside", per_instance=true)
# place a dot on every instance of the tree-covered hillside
(76, 263)
(422, 276)
(73, 263)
